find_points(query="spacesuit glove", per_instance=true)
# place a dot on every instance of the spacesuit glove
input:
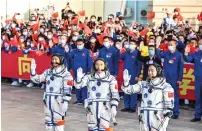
(168, 113)
(64, 106)
(80, 74)
(126, 77)
(113, 111)
(33, 67)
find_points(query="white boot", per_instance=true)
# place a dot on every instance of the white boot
(14, 83)
(60, 128)
(30, 85)
(42, 86)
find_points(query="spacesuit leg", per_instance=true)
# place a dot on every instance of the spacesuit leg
(105, 117)
(58, 113)
(48, 117)
(91, 117)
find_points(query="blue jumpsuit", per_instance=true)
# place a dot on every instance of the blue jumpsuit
(173, 71)
(134, 67)
(83, 59)
(196, 58)
(111, 55)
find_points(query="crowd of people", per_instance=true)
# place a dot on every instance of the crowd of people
(136, 46)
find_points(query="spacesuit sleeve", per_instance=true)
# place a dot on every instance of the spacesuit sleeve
(67, 87)
(82, 83)
(168, 95)
(131, 89)
(39, 78)
(114, 92)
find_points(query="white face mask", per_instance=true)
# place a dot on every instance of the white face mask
(200, 47)
(106, 44)
(3, 38)
(45, 33)
(40, 39)
(132, 47)
(32, 45)
(63, 42)
(28, 43)
(21, 40)
(93, 20)
(74, 38)
(49, 36)
(97, 31)
(80, 47)
(25, 33)
(92, 40)
(42, 30)
(118, 46)
(126, 46)
(171, 48)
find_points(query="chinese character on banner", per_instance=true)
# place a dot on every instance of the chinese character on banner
(186, 90)
(24, 64)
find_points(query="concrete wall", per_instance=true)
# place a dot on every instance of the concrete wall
(92, 7)
(189, 9)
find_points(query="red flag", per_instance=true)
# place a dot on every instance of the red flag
(75, 21)
(170, 95)
(39, 53)
(81, 26)
(82, 13)
(55, 15)
(34, 36)
(131, 33)
(199, 18)
(14, 42)
(35, 27)
(143, 32)
(151, 15)
(55, 40)
(87, 30)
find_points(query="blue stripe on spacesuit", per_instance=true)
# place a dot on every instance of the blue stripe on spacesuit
(57, 113)
(104, 119)
(51, 109)
(148, 119)
(100, 80)
(97, 106)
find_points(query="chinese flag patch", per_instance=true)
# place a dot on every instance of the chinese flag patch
(70, 83)
(170, 94)
(116, 87)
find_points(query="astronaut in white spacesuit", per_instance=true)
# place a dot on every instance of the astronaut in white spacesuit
(103, 97)
(57, 93)
(157, 99)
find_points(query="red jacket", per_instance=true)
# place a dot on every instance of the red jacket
(179, 16)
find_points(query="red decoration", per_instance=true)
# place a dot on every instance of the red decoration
(151, 15)
(55, 15)
(82, 13)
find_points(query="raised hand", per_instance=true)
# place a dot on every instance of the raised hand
(126, 77)
(80, 74)
(33, 67)
(187, 50)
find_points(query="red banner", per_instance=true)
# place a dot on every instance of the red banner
(17, 65)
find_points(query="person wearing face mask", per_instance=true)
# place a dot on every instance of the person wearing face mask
(73, 40)
(132, 64)
(148, 60)
(157, 99)
(91, 24)
(103, 99)
(173, 70)
(25, 32)
(94, 46)
(57, 94)
(62, 48)
(196, 58)
(111, 55)
(81, 58)
(41, 30)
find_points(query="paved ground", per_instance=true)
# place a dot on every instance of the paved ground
(22, 110)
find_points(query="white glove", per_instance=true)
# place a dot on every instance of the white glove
(64, 106)
(126, 77)
(113, 112)
(33, 67)
(80, 74)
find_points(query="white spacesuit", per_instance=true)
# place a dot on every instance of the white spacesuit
(57, 93)
(103, 97)
(157, 99)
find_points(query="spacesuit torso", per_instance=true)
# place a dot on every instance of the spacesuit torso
(157, 99)
(102, 94)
